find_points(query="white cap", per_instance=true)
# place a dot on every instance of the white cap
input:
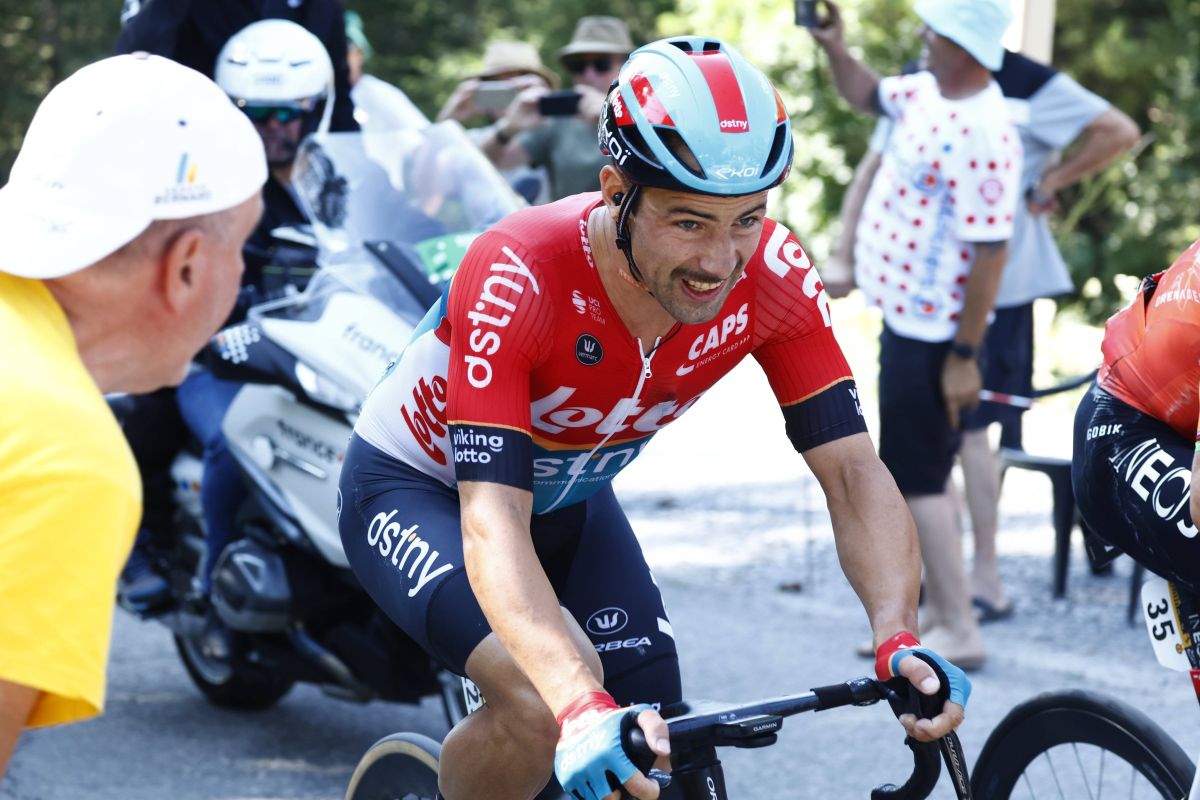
(119, 144)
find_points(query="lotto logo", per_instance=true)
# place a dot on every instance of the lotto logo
(426, 419)
(783, 254)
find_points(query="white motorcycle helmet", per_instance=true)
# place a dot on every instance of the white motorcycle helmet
(276, 64)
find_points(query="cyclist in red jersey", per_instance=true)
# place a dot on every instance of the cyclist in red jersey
(476, 504)
(1137, 433)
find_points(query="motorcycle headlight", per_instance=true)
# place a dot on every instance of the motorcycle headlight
(325, 390)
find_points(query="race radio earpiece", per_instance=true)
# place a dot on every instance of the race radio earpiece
(617, 198)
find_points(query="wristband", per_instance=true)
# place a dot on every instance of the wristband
(582, 711)
(884, 656)
(501, 137)
(963, 350)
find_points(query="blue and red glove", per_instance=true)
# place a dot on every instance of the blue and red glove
(904, 644)
(589, 745)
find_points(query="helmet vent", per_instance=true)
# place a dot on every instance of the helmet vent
(777, 145)
(678, 148)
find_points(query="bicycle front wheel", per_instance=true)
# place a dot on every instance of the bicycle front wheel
(403, 766)
(1079, 744)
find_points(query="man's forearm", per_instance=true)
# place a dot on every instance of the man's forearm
(16, 703)
(520, 605)
(1109, 135)
(980, 293)
(875, 535)
(852, 203)
(855, 81)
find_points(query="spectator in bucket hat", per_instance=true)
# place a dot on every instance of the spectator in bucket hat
(566, 144)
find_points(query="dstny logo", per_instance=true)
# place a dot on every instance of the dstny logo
(607, 621)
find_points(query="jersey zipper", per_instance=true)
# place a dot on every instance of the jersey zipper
(645, 375)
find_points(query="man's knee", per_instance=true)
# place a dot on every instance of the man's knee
(511, 696)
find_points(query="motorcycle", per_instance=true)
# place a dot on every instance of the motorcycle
(392, 213)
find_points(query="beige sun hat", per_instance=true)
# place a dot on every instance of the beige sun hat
(503, 56)
(598, 35)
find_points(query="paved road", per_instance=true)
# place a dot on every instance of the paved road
(748, 521)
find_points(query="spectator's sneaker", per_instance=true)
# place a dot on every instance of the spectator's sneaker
(142, 589)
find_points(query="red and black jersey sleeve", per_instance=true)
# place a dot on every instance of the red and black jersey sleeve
(795, 345)
(500, 319)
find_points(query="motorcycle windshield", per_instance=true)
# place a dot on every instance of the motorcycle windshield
(393, 213)
(427, 188)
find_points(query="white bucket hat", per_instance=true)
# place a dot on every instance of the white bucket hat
(119, 144)
(976, 26)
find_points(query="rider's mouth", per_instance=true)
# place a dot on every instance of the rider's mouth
(702, 289)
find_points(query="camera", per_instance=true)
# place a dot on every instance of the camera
(559, 104)
(806, 14)
(494, 95)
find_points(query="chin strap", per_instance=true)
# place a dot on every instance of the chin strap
(624, 241)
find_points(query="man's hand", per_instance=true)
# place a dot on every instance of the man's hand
(591, 103)
(460, 105)
(522, 113)
(895, 659)
(830, 30)
(1043, 198)
(961, 382)
(590, 745)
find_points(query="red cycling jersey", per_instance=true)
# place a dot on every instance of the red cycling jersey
(1152, 347)
(525, 375)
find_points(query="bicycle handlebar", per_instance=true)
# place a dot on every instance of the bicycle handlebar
(757, 724)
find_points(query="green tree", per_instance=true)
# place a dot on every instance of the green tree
(42, 42)
(427, 47)
(1141, 55)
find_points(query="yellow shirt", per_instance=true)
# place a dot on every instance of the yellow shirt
(70, 502)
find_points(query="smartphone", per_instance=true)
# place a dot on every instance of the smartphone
(806, 14)
(494, 95)
(559, 104)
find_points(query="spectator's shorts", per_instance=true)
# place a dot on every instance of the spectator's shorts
(916, 441)
(1008, 367)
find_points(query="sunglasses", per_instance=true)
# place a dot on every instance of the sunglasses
(281, 114)
(599, 64)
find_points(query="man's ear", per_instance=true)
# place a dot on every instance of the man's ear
(182, 262)
(614, 189)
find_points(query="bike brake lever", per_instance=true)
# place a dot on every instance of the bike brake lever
(633, 741)
(904, 698)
